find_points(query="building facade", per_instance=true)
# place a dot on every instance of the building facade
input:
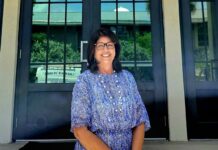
(169, 46)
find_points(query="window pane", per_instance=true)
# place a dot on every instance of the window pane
(73, 45)
(57, 14)
(125, 13)
(142, 13)
(39, 46)
(57, 0)
(203, 41)
(74, 0)
(56, 42)
(40, 14)
(136, 50)
(56, 45)
(143, 43)
(37, 74)
(55, 74)
(126, 38)
(72, 72)
(39, 33)
(40, 0)
(74, 14)
(108, 13)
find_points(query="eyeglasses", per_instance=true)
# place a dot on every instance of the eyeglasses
(101, 45)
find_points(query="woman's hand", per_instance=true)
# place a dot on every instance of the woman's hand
(138, 137)
(89, 140)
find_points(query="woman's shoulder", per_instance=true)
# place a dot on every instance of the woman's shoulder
(83, 76)
(127, 73)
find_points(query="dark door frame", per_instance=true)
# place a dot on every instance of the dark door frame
(91, 8)
(194, 125)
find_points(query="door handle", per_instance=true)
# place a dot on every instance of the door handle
(81, 51)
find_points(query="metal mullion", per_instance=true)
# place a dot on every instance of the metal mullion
(65, 32)
(48, 37)
(134, 36)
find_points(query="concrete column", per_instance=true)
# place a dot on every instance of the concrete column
(174, 71)
(8, 60)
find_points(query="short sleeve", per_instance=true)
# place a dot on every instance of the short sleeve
(140, 114)
(80, 105)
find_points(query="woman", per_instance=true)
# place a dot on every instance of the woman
(107, 112)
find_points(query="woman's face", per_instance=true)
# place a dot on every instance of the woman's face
(104, 50)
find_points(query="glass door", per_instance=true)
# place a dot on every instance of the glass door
(137, 23)
(200, 22)
(52, 51)
(50, 61)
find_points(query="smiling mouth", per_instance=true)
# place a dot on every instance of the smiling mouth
(105, 55)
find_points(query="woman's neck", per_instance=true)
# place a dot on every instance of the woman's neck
(105, 70)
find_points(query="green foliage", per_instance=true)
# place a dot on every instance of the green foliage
(55, 50)
(143, 47)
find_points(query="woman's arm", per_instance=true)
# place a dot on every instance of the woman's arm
(138, 137)
(89, 140)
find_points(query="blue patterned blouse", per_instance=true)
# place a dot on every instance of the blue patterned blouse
(110, 106)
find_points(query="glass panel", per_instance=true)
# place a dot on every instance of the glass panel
(72, 72)
(74, 32)
(205, 55)
(126, 37)
(74, 0)
(73, 46)
(40, 14)
(39, 33)
(57, 14)
(39, 46)
(56, 42)
(40, 0)
(108, 0)
(55, 74)
(108, 13)
(125, 13)
(37, 74)
(142, 13)
(57, 36)
(136, 49)
(56, 45)
(74, 14)
(57, 0)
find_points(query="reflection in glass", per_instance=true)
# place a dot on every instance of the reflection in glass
(40, 0)
(74, 14)
(37, 74)
(135, 40)
(56, 45)
(126, 38)
(203, 41)
(57, 0)
(108, 13)
(55, 42)
(39, 47)
(55, 74)
(72, 72)
(40, 14)
(142, 13)
(57, 14)
(143, 44)
(72, 46)
(125, 13)
(74, 0)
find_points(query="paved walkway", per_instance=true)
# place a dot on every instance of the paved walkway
(150, 145)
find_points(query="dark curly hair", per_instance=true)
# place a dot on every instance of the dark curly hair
(92, 64)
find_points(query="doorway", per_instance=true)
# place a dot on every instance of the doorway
(52, 44)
